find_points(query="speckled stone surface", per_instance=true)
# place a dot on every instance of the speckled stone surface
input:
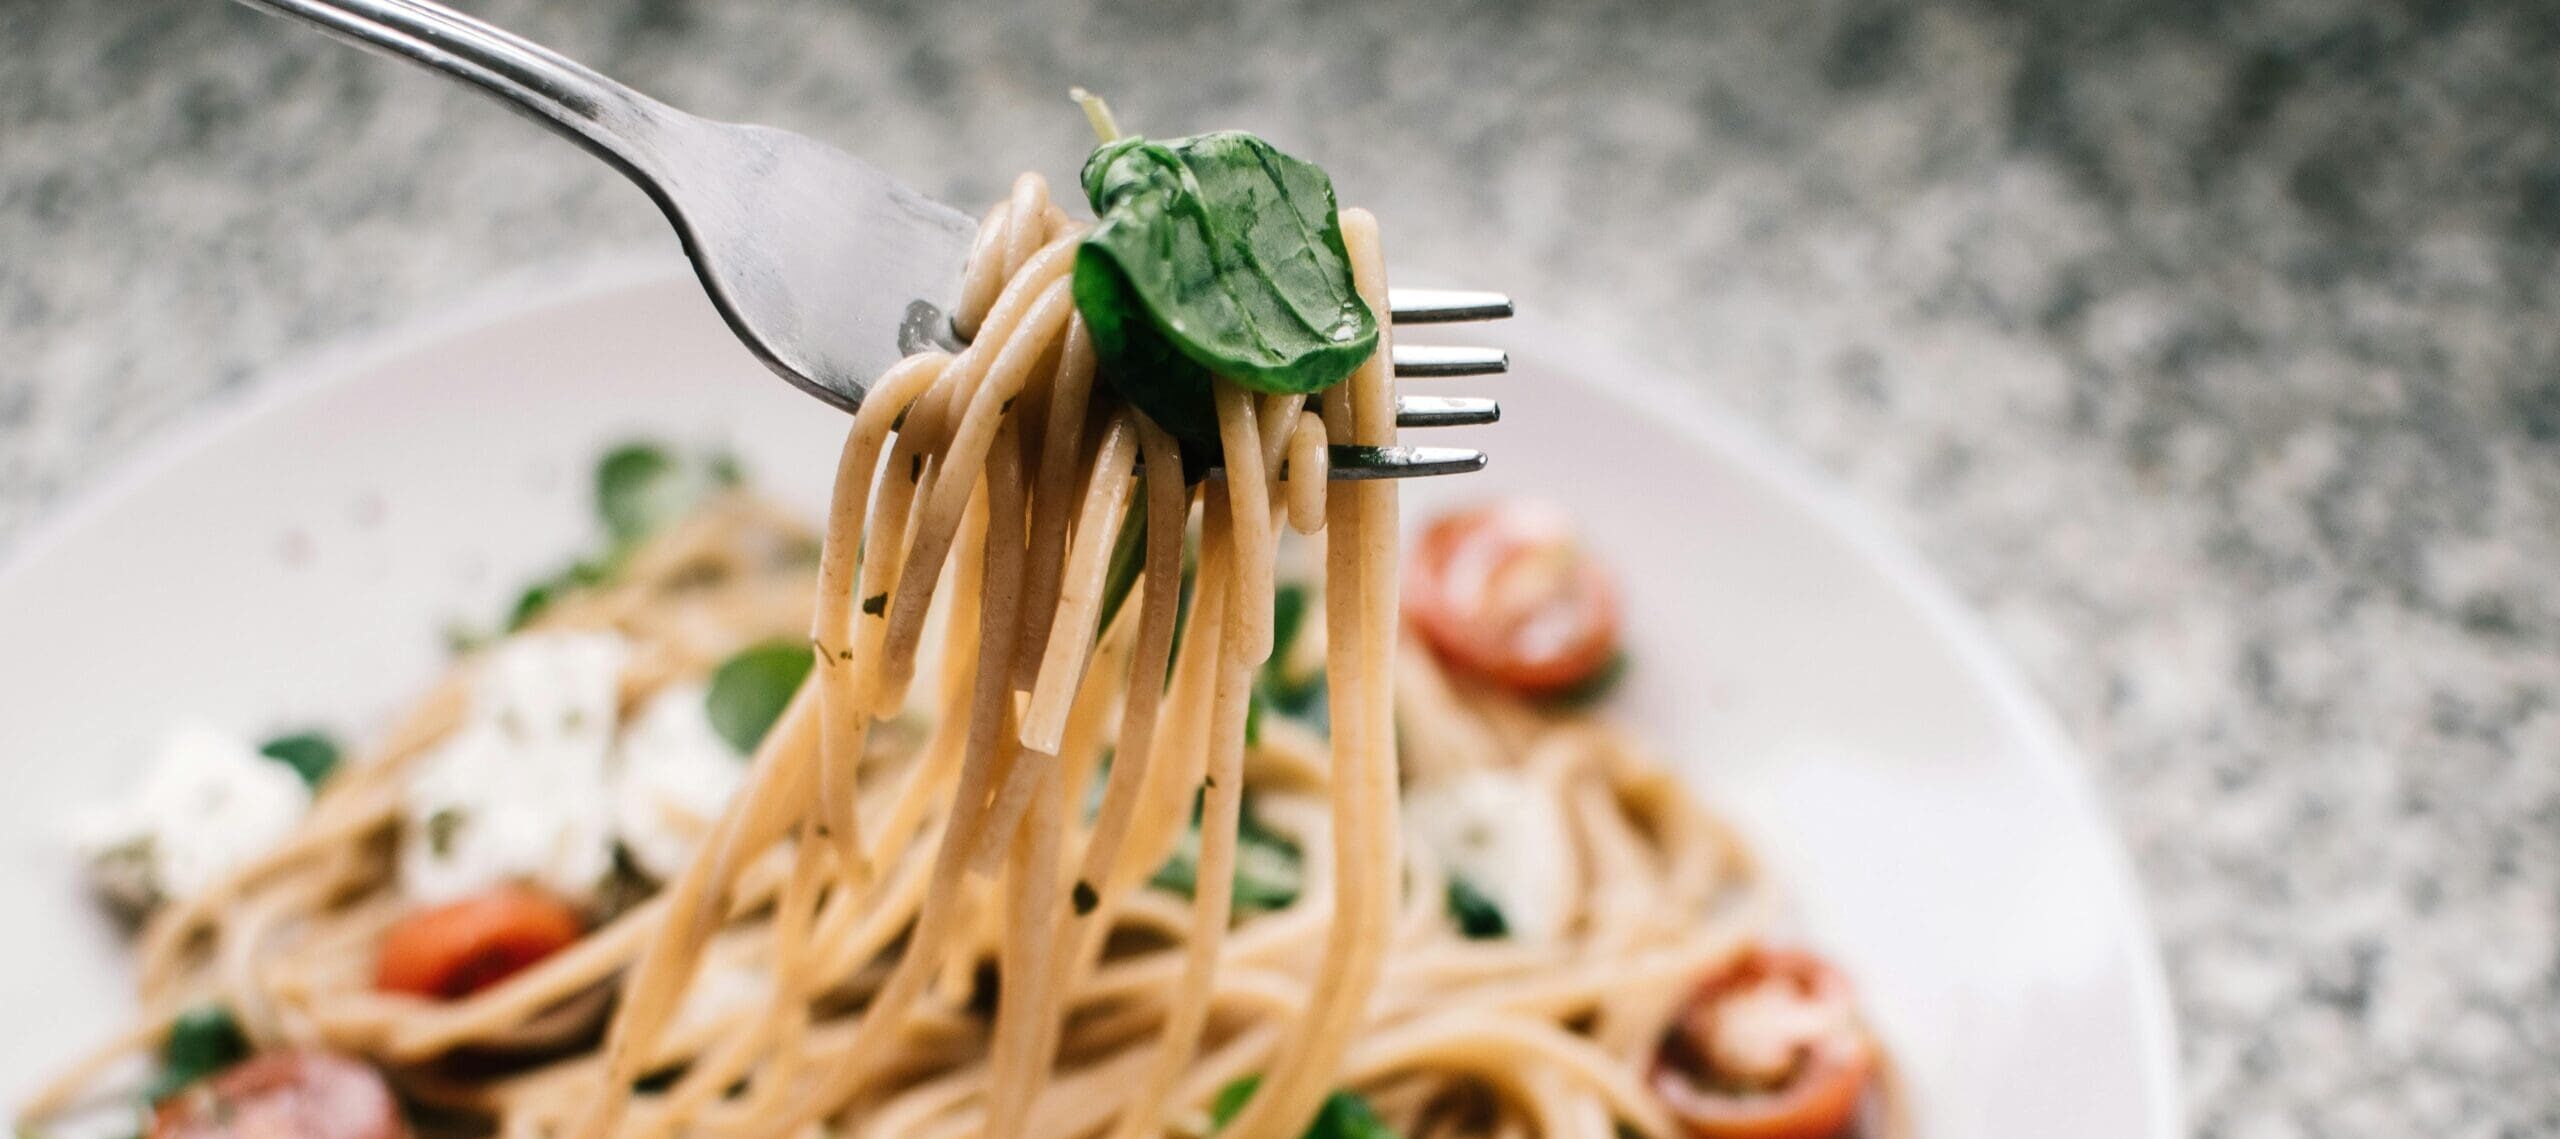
(2213, 350)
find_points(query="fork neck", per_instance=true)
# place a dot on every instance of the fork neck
(615, 122)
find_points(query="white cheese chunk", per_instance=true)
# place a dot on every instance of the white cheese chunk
(1504, 838)
(208, 803)
(673, 774)
(519, 791)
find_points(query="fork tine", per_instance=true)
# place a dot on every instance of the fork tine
(1445, 306)
(1352, 462)
(1445, 411)
(1430, 360)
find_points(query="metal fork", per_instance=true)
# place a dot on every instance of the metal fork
(828, 269)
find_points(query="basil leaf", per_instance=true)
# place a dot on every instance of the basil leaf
(1128, 557)
(1345, 1115)
(1268, 877)
(1180, 873)
(1232, 1098)
(1269, 872)
(1275, 688)
(1476, 914)
(538, 596)
(1288, 615)
(530, 603)
(639, 487)
(724, 469)
(750, 690)
(1141, 364)
(1309, 703)
(311, 755)
(1219, 254)
(202, 1041)
(1302, 700)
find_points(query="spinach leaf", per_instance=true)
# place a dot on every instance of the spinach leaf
(311, 755)
(202, 1041)
(1128, 557)
(724, 469)
(1129, 563)
(1345, 1115)
(1269, 870)
(1182, 602)
(1275, 688)
(1232, 1098)
(1476, 914)
(1288, 616)
(1300, 700)
(539, 595)
(641, 486)
(1219, 254)
(1180, 873)
(749, 691)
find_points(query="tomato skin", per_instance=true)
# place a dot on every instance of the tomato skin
(284, 1095)
(1820, 1096)
(1506, 592)
(454, 950)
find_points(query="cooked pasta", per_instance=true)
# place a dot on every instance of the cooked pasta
(942, 898)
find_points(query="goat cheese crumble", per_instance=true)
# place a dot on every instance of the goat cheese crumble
(1504, 838)
(518, 792)
(672, 776)
(207, 803)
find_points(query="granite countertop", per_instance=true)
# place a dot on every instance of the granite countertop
(2209, 349)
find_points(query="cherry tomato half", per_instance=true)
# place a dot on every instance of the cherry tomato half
(284, 1095)
(459, 948)
(1768, 1048)
(1506, 592)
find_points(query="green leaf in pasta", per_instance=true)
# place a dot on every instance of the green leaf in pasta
(1478, 917)
(311, 755)
(1215, 254)
(1345, 1115)
(201, 1041)
(750, 690)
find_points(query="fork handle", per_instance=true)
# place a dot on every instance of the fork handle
(609, 119)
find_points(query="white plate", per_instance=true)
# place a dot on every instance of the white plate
(296, 561)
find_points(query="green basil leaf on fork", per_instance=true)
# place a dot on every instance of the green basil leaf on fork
(1215, 254)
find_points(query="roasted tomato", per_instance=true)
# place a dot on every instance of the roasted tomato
(1768, 1048)
(1506, 592)
(284, 1095)
(457, 949)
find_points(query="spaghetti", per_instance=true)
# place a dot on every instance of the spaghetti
(936, 906)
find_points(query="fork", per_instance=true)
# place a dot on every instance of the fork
(826, 268)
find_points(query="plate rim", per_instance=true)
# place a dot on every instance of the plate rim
(1635, 386)
(1641, 388)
